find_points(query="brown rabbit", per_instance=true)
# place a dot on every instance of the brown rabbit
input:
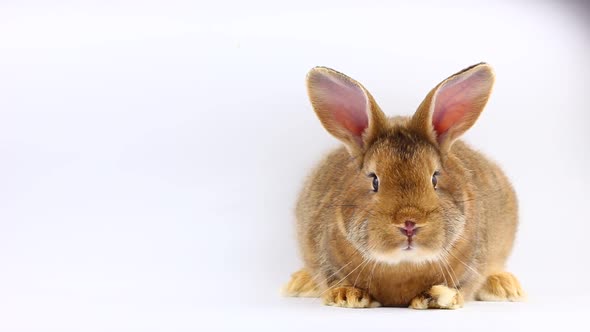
(404, 214)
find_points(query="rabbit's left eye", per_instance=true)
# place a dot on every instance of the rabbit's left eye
(435, 179)
(375, 182)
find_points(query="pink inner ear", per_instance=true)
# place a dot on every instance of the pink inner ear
(454, 100)
(346, 102)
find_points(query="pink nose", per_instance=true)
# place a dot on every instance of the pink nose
(409, 228)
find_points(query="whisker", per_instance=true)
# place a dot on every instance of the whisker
(453, 245)
(442, 273)
(333, 274)
(371, 278)
(479, 197)
(466, 265)
(342, 205)
(361, 272)
(446, 266)
(341, 280)
(364, 260)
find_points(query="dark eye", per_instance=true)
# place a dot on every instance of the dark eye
(375, 182)
(435, 179)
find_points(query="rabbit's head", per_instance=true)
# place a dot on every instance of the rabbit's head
(405, 201)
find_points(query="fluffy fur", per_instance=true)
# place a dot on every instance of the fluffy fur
(351, 237)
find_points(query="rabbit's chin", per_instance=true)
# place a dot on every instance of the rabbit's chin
(415, 254)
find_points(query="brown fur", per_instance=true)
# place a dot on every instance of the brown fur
(349, 235)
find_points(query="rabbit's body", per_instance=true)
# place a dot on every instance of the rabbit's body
(490, 210)
(357, 248)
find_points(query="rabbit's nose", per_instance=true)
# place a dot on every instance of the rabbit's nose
(409, 228)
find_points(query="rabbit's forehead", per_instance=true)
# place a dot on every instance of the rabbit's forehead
(401, 151)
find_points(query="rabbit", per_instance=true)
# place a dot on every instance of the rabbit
(404, 214)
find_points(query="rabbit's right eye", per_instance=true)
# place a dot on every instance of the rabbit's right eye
(375, 182)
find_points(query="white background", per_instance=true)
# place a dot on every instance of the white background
(151, 153)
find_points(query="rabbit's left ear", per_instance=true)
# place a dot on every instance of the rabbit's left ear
(453, 106)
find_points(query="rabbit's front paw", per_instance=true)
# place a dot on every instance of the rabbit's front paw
(501, 286)
(302, 284)
(438, 297)
(349, 297)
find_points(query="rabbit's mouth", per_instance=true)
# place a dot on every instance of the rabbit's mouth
(408, 244)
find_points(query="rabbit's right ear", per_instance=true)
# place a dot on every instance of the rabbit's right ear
(345, 108)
